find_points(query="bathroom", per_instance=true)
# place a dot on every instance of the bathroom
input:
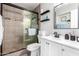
(39, 29)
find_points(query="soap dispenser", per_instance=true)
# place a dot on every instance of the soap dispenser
(72, 37)
(67, 36)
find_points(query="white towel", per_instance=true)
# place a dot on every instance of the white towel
(1, 30)
(31, 31)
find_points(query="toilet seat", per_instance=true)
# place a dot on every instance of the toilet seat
(33, 46)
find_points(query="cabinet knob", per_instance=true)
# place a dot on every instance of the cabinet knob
(47, 43)
(62, 49)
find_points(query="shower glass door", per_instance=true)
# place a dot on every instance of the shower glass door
(13, 29)
(29, 21)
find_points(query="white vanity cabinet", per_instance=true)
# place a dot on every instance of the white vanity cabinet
(51, 48)
(45, 47)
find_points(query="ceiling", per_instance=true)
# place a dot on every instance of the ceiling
(28, 6)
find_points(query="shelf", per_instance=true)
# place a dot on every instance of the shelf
(68, 20)
(45, 12)
(44, 20)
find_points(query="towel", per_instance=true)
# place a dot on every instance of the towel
(1, 30)
(31, 31)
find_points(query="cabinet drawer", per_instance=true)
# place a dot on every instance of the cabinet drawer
(68, 51)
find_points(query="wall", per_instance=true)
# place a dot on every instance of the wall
(49, 25)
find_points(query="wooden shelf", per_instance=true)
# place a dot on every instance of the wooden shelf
(44, 20)
(45, 12)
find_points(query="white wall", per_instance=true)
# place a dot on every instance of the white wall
(48, 26)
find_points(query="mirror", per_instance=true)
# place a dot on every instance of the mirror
(66, 16)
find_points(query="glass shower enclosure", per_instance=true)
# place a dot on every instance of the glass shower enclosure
(16, 23)
(30, 24)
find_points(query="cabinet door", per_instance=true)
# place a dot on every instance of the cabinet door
(48, 46)
(56, 49)
(70, 51)
(45, 47)
(42, 47)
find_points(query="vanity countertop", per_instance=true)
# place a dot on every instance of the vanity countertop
(72, 44)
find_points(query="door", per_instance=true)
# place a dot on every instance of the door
(56, 49)
(70, 51)
(48, 47)
(13, 30)
(45, 47)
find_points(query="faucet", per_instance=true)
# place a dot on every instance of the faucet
(56, 34)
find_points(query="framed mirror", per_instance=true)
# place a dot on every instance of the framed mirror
(66, 16)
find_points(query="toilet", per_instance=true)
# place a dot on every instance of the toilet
(34, 48)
